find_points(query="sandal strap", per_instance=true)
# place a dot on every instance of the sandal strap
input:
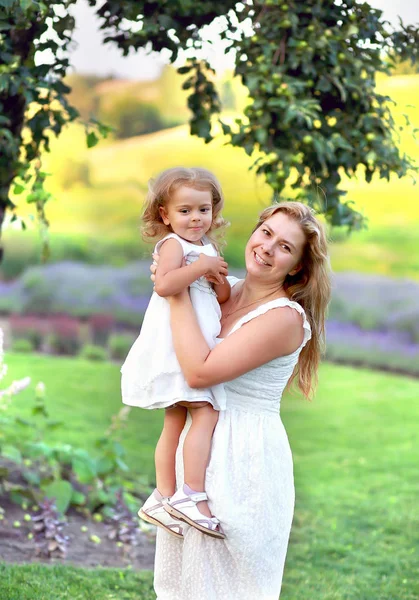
(197, 497)
(211, 523)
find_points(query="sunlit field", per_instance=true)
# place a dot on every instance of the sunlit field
(107, 207)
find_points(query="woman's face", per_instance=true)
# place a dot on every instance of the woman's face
(275, 249)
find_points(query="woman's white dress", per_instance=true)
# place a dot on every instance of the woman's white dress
(250, 485)
(151, 374)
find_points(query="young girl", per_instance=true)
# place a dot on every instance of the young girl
(182, 210)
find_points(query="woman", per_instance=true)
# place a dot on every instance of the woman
(272, 330)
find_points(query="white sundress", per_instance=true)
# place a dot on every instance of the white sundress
(250, 486)
(151, 374)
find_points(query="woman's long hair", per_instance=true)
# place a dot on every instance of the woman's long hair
(310, 287)
(160, 191)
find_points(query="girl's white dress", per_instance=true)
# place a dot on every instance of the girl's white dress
(250, 486)
(151, 374)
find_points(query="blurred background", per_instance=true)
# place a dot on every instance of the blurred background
(70, 322)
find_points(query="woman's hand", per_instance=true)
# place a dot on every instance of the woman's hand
(153, 267)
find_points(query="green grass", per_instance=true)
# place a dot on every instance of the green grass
(37, 582)
(355, 455)
(110, 208)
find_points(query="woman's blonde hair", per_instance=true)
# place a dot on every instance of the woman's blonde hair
(310, 287)
(160, 191)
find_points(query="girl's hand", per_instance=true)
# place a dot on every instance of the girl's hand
(214, 267)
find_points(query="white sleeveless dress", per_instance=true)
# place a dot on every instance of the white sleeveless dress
(250, 486)
(151, 374)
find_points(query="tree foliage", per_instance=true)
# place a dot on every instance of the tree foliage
(310, 67)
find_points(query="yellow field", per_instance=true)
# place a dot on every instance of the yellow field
(119, 172)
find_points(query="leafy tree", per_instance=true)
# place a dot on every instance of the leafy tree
(309, 67)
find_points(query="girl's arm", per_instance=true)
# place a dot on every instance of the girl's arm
(276, 333)
(172, 278)
(223, 291)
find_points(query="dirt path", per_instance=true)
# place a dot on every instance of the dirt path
(15, 546)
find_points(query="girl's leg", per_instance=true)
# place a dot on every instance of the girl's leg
(196, 449)
(165, 454)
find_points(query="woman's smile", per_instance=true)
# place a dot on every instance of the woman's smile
(260, 260)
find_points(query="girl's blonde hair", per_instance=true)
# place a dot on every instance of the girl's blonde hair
(310, 287)
(160, 191)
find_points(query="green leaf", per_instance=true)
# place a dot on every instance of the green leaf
(78, 498)
(7, 3)
(84, 469)
(91, 139)
(184, 70)
(25, 4)
(62, 491)
(261, 135)
(104, 465)
(18, 188)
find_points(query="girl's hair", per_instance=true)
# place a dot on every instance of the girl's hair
(310, 287)
(160, 191)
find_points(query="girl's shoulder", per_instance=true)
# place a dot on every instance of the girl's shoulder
(172, 236)
(188, 247)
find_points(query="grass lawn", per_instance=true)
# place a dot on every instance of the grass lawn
(355, 454)
(37, 582)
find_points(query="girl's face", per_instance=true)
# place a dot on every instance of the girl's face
(275, 249)
(189, 213)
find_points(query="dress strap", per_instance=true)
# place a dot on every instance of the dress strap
(277, 303)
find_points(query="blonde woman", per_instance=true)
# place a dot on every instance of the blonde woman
(272, 329)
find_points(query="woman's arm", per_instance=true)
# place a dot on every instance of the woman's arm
(276, 333)
(172, 278)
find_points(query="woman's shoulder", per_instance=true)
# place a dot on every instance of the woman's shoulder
(292, 317)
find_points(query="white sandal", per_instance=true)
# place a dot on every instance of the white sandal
(153, 512)
(182, 506)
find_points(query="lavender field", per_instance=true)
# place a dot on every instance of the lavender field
(373, 320)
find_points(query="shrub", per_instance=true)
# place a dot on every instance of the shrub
(101, 326)
(65, 335)
(92, 352)
(28, 327)
(23, 250)
(119, 345)
(22, 345)
(82, 290)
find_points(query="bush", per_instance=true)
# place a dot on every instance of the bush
(119, 345)
(82, 291)
(101, 326)
(92, 352)
(23, 250)
(22, 345)
(65, 336)
(28, 327)
(130, 117)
